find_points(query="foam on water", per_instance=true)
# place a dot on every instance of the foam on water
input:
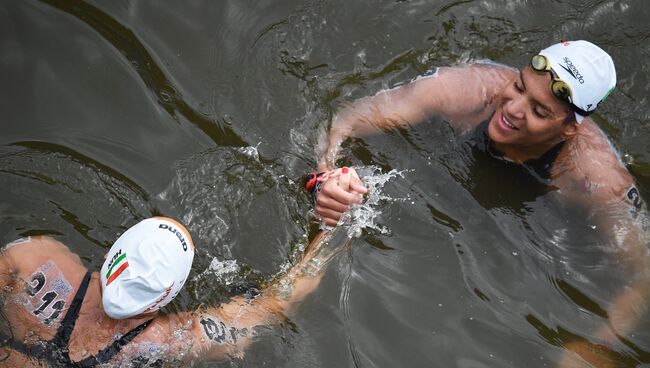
(224, 272)
(251, 152)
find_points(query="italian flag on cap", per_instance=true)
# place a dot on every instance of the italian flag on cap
(118, 266)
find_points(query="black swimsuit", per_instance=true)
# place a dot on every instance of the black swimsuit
(55, 352)
(496, 182)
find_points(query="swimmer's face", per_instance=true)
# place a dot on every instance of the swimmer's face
(528, 115)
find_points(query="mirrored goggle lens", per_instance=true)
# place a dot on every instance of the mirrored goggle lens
(561, 90)
(539, 63)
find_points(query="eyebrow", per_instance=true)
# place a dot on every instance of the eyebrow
(544, 107)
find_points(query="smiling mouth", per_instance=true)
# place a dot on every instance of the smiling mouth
(507, 123)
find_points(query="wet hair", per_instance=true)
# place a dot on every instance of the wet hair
(570, 118)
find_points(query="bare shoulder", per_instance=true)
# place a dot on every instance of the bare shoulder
(486, 77)
(489, 73)
(590, 166)
(22, 257)
(13, 254)
(28, 243)
(25, 250)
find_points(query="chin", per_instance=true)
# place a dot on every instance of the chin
(492, 130)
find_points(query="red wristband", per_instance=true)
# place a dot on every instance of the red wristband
(316, 178)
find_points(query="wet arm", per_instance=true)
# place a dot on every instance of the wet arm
(624, 311)
(463, 93)
(227, 330)
(617, 213)
(631, 303)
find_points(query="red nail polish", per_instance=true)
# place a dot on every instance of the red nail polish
(344, 170)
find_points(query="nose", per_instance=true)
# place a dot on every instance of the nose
(516, 106)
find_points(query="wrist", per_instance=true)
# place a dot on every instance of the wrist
(314, 182)
(324, 166)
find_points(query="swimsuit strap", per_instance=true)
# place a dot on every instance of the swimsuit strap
(55, 350)
(38, 351)
(62, 337)
(113, 349)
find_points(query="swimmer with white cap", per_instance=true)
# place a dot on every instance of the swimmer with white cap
(146, 268)
(537, 118)
(57, 313)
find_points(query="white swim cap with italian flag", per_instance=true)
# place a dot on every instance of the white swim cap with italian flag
(587, 69)
(146, 267)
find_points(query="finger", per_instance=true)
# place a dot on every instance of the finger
(357, 186)
(353, 173)
(347, 198)
(344, 179)
(355, 182)
(324, 201)
(330, 222)
(335, 192)
(334, 173)
(327, 214)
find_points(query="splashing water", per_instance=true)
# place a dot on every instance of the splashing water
(364, 215)
(251, 151)
(359, 217)
(225, 272)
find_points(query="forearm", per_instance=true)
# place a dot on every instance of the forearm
(463, 95)
(290, 289)
(622, 315)
(619, 224)
(230, 328)
(629, 304)
(398, 107)
(357, 119)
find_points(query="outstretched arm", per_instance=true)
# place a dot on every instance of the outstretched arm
(464, 95)
(228, 329)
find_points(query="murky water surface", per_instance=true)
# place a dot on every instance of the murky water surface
(209, 112)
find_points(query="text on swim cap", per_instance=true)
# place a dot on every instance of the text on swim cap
(116, 266)
(115, 256)
(573, 70)
(155, 304)
(179, 234)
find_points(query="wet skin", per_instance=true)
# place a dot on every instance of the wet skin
(529, 120)
(526, 120)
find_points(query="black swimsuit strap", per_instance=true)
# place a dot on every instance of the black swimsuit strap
(55, 351)
(36, 351)
(113, 349)
(62, 337)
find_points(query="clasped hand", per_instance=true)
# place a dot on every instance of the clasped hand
(342, 189)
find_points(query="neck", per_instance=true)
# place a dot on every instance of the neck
(94, 298)
(521, 154)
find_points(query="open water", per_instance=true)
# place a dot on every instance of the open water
(210, 111)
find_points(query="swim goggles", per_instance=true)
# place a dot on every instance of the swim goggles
(559, 88)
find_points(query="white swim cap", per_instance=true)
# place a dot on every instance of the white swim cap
(587, 69)
(146, 267)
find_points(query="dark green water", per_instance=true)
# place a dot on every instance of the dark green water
(209, 111)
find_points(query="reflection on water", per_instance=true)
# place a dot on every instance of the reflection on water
(71, 184)
(209, 112)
